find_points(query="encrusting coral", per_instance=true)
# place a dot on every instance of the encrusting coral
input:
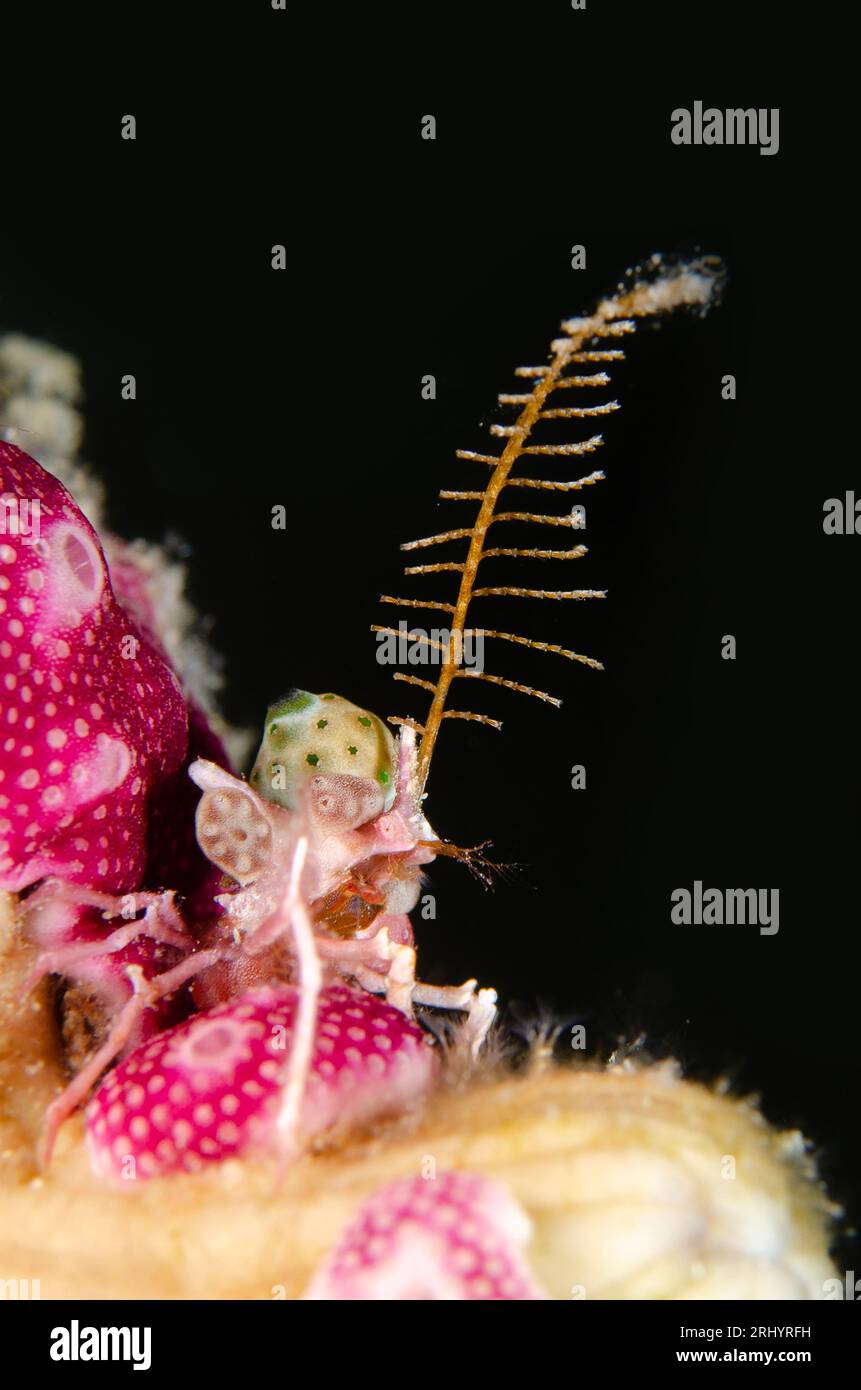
(223, 974)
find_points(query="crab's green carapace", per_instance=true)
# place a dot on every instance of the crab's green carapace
(307, 735)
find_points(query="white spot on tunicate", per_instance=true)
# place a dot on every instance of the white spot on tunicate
(105, 770)
(182, 1132)
(56, 738)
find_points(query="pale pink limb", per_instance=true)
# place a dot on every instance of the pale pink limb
(397, 960)
(457, 997)
(310, 982)
(480, 1019)
(400, 978)
(445, 996)
(60, 960)
(146, 993)
(55, 890)
(336, 950)
(386, 932)
(478, 1004)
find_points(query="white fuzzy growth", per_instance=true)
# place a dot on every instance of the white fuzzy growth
(695, 284)
(38, 369)
(40, 390)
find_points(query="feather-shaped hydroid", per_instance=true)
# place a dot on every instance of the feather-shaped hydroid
(549, 389)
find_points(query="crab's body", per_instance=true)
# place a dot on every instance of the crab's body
(318, 892)
(360, 878)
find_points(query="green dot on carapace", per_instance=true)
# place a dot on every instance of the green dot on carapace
(313, 759)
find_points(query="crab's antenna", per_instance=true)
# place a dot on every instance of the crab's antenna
(652, 289)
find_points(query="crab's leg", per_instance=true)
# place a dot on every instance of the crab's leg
(400, 978)
(479, 1021)
(434, 996)
(397, 959)
(478, 1004)
(61, 958)
(146, 993)
(55, 890)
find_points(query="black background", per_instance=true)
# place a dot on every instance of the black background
(302, 388)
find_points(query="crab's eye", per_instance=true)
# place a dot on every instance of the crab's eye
(309, 736)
